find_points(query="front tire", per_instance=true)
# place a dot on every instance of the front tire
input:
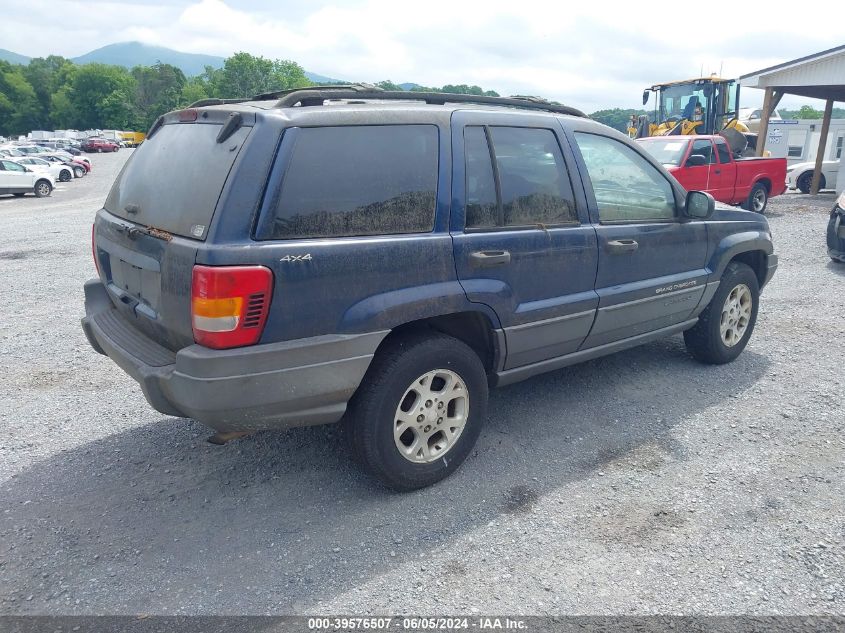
(758, 198)
(726, 324)
(79, 172)
(65, 176)
(418, 411)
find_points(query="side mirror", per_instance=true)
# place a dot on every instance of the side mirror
(645, 96)
(699, 205)
(696, 160)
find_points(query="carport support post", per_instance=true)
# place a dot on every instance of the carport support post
(817, 172)
(764, 121)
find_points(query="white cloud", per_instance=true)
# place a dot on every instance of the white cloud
(592, 55)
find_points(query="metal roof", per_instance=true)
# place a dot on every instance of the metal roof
(820, 76)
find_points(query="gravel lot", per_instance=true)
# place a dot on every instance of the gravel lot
(639, 483)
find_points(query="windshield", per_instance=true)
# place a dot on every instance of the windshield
(685, 101)
(665, 151)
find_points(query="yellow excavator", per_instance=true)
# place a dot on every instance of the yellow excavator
(707, 105)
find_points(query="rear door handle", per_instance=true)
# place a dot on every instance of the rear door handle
(622, 246)
(718, 171)
(483, 259)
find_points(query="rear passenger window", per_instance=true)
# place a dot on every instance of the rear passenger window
(724, 152)
(482, 207)
(358, 180)
(533, 183)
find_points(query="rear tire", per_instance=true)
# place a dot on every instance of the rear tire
(42, 189)
(418, 411)
(805, 182)
(758, 198)
(726, 324)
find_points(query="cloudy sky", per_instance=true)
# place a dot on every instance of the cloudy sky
(591, 55)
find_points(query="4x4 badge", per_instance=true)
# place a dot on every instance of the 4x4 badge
(296, 258)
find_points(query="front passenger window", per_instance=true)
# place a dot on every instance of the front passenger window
(627, 187)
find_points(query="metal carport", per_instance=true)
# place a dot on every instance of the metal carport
(820, 76)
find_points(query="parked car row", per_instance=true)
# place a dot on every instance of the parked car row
(36, 169)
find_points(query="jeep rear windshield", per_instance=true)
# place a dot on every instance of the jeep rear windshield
(173, 180)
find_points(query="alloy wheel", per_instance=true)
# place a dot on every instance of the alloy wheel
(736, 315)
(758, 202)
(431, 416)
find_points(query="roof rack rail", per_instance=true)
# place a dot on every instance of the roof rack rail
(316, 95)
(214, 101)
(354, 88)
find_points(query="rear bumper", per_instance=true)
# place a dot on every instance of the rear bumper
(275, 385)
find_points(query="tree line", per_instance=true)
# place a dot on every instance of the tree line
(52, 93)
(809, 112)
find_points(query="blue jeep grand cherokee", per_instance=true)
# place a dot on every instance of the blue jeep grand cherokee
(342, 253)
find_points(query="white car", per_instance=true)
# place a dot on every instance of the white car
(10, 152)
(32, 149)
(76, 166)
(18, 180)
(57, 171)
(800, 175)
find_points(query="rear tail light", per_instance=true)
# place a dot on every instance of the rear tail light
(187, 115)
(229, 304)
(94, 248)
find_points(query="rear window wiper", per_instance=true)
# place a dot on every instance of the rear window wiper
(132, 232)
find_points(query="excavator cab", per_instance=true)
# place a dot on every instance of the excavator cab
(706, 105)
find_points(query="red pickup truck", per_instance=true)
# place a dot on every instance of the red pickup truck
(705, 163)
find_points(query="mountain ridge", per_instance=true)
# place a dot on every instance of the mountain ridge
(129, 54)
